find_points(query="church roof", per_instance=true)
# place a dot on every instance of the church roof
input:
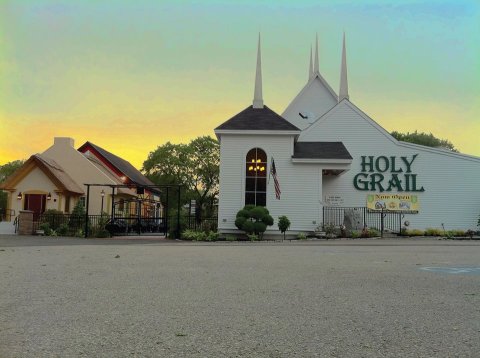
(320, 150)
(121, 165)
(50, 168)
(257, 119)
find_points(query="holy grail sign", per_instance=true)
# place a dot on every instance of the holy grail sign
(387, 174)
(393, 202)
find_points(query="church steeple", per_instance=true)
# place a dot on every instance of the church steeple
(343, 93)
(316, 68)
(310, 67)
(258, 95)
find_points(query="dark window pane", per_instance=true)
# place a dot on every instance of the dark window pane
(250, 170)
(250, 184)
(261, 155)
(262, 184)
(261, 199)
(252, 155)
(249, 198)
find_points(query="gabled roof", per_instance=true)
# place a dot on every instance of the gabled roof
(257, 119)
(120, 164)
(316, 96)
(51, 169)
(320, 150)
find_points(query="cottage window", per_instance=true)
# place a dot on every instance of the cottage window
(256, 177)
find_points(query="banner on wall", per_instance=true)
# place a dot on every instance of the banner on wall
(393, 202)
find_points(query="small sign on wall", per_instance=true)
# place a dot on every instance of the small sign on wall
(334, 200)
(393, 202)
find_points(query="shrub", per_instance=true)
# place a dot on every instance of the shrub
(301, 236)
(187, 234)
(53, 217)
(355, 234)
(252, 237)
(212, 236)
(230, 238)
(253, 220)
(329, 230)
(416, 232)
(62, 230)
(283, 224)
(433, 232)
(457, 233)
(46, 229)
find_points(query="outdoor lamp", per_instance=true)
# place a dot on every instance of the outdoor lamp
(19, 196)
(102, 193)
(49, 196)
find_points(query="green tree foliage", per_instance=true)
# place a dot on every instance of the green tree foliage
(9, 168)
(428, 140)
(195, 165)
(5, 171)
(283, 224)
(253, 220)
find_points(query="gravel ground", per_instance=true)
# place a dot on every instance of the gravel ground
(363, 298)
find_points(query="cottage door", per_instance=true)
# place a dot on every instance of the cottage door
(35, 203)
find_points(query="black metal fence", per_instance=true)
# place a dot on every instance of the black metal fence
(388, 220)
(204, 224)
(70, 224)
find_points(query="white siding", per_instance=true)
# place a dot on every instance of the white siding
(314, 98)
(451, 182)
(300, 183)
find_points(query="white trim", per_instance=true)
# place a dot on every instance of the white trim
(322, 161)
(374, 124)
(257, 132)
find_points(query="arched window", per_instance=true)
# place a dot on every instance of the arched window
(256, 177)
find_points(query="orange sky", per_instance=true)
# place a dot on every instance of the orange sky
(131, 77)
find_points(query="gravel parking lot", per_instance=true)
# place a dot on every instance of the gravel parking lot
(353, 298)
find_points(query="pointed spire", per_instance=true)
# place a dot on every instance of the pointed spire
(258, 96)
(310, 67)
(316, 67)
(343, 93)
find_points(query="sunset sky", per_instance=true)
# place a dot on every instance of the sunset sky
(132, 75)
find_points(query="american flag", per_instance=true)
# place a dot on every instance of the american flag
(273, 172)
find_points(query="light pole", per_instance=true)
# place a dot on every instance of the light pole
(102, 193)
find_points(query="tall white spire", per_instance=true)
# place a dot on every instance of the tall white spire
(258, 96)
(343, 93)
(310, 67)
(316, 67)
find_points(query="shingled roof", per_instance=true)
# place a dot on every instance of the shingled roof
(120, 164)
(257, 119)
(320, 150)
(50, 168)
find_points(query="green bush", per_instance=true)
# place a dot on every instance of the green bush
(301, 236)
(433, 232)
(62, 230)
(355, 234)
(230, 238)
(457, 233)
(253, 220)
(248, 227)
(252, 237)
(415, 232)
(46, 229)
(283, 224)
(53, 217)
(239, 221)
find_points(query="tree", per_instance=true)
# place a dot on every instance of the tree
(428, 140)
(5, 171)
(9, 168)
(283, 224)
(195, 165)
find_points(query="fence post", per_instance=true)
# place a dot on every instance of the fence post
(86, 210)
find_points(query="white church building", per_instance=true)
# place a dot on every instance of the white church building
(329, 155)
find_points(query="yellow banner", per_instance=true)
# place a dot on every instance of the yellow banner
(393, 202)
